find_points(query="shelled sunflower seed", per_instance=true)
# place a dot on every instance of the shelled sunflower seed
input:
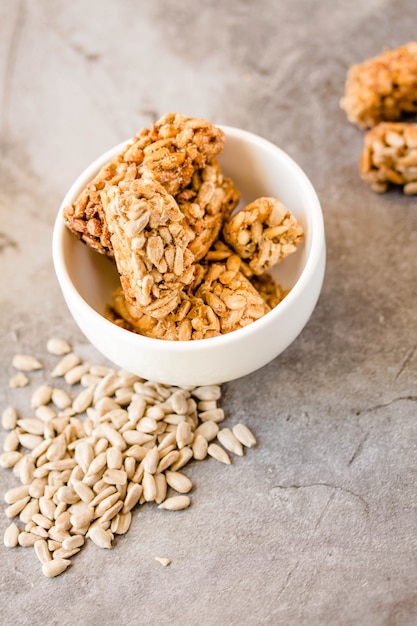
(88, 455)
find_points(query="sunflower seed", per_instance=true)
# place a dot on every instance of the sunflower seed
(208, 430)
(75, 374)
(218, 453)
(184, 434)
(199, 447)
(229, 441)
(149, 487)
(161, 488)
(61, 398)
(134, 492)
(185, 455)
(76, 541)
(55, 567)
(215, 415)
(16, 507)
(41, 396)
(244, 435)
(11, 536)
(11, 442)
(209, 392)
(151, 460)
(178, 481)
(19, 380)
(9, 418)
(115, 477)
(100, 537)
(69, 361)
(163, 560)
(16, 493)
(176, 503)
(10, 459)
(26, 363)
(27, 540)
(122, 523)
(58, 347)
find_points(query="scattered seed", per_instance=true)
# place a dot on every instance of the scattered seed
(75, 374)
(11, 536)
(100, 537)
(76, 541)
(176, 503)
(84, 474)
(27, 540)
(229, 441)
(149, 487)
(57, 346)
(199, 447)
(26, 363)
(209, 392)
(208, 430)
(9, 418)
(42, 395)
(178, 481)
(84, 399)
(151, 460)
(184, 434)
(18, 380)
(185, 455)
(218, 453)
(244, 435)
(66, 364)
(16, 493)
(163, 560)
(61, 399)
(55, 567)
(215, 415)
(42, 551)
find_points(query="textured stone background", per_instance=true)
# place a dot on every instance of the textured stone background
(317, 526)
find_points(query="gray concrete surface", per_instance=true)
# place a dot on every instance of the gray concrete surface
(317, 526)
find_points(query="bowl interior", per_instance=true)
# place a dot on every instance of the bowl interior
(257, 168)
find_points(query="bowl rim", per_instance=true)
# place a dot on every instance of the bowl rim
(313, 255)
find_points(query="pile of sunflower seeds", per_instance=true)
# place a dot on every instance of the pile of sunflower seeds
(84, 462)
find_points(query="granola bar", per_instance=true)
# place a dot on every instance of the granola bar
(219, 301)
(173, 149)
(264, 232)
(390, 156)
(268, 289)
(180, 145)
(206, 203)
(382, 88)
(150, 238)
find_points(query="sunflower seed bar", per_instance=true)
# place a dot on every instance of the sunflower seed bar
(150, 239)
(180, 145)
(206, 203)
(173, 149)
(264, 232)
(390, 156)
(220, 300)
(268, 289)
(382, 88)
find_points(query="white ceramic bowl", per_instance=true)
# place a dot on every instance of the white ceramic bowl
(87, 279)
